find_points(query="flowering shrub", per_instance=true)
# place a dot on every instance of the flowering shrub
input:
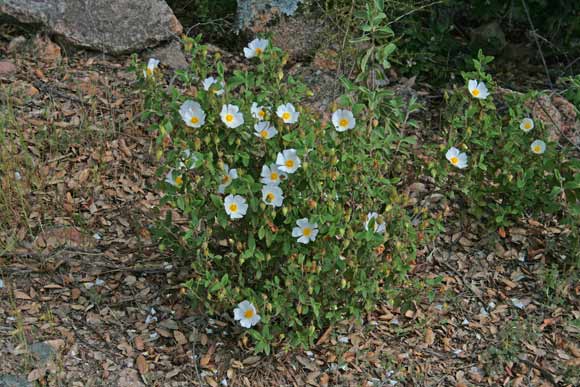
(507, 167)
(294, 222)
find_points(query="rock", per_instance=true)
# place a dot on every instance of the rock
(7, 68)
(170, 55)
(46, 50)
(253, 13)
(114, 27)
(16, 44)
(489, 37)
(14, 381)
(557, 114)
(296, 37)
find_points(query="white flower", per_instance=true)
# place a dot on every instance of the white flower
(17, 175)
(287, 161)
(272, 195)
(258, 112)
(255, 48)
(231, 116)
(173, 179)
(235, 206)
(538, 147)
(188, 159)
(264, 130)
(192, 114)
(247, 315)
(306, 231)
(378, 227)
(478, 90)
(209, 82)
(343, 120)
(456, 158)
(527, 124)
(227, 178)
(151, 67)
(287, 113)
(272, 175)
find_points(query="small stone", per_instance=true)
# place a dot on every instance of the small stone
(170, 55)
(7, 68)
(16, 44)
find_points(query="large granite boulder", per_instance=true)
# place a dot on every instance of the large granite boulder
(111, 26)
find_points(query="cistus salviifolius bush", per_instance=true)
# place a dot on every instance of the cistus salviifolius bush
(292, 222)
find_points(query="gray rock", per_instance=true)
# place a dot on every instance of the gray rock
(298, 36)
(171, 55)
(489, 37)
(16, 44)
(111, 26)
(251, 10)
(43, 351)
(14, 381)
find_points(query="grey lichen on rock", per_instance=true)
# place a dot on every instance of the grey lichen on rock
(249, 10)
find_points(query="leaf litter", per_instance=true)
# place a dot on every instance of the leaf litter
(83, 277)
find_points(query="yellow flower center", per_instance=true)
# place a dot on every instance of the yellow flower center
(343, 122)
(233, 207)
(270, 197)
(289, 163)
(258, 51)
(225, 179)
(274, 176)
(249, 313)
(149, 71)
(537, 148)
(307, 231)
(454, 160)
(286, 116)
(527, 125)
(194, 120)
(264, 133)
(475, 92)
(229, 117)
(261, 113)
(179, 180)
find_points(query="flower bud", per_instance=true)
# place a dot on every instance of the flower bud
(343, 283)
(375, 122)
(262, 206)
(207, 139)
(197, 144)
(284, 210)
(305, 165)
(238, 141)
(312, 204)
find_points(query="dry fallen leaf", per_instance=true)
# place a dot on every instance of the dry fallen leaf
(429, 337)
(142, 365)
(21, 295)
(180, 338)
